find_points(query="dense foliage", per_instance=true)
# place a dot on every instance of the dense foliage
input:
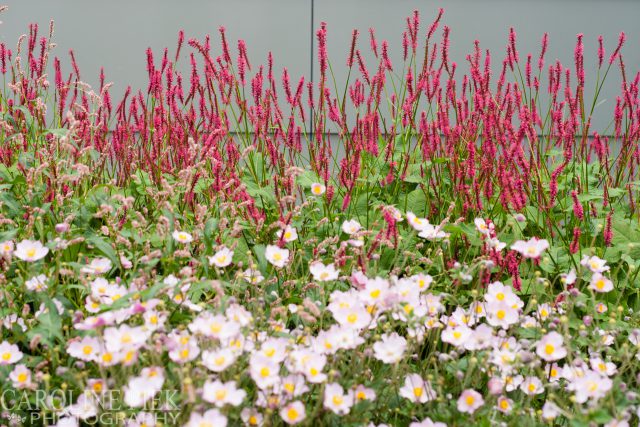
(419, 247)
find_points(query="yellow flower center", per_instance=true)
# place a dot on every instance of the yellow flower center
(87, 349)
(470, 400)
(337, 400)
(500, 296)
(549, 349)
(264, 372)
(417, 391)
(22, 377)
(221, 394)
(31, 252)
(352, 318)
(292, 414)
(500, 314)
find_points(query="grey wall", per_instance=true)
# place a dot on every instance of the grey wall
(116, 33)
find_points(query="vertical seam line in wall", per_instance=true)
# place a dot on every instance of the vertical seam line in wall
(311, 118)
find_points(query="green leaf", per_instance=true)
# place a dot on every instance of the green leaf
(103, 246)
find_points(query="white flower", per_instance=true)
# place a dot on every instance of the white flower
(418, 224)
(20, 376)
(211, 418)
(138, 391)
(457, 335)
(252, 276)
(604, 368)
(84, 408)
(351, 226)
(336, 400)
(590, 386)
(182, 236)
(364, 393)
(432, 232)
(569, 278)
(318, 189)
(427, 422)
(6, 248)
(218, 360)
(97, 266)
(264, 371)
(532, 248)
(293, 413)
(289, 234)
(276, 256)
(38, 283)
(498, 292)
(221, 394)
(28, 250)
(9, 353)
(504, 404)
(222, 258)
(483, 227)
(323, 273)
(550, 347)
(494, 243)
(634, 337)
(501, 314)
(251, 417)
(390, 349)
(416, 389)
(293, 385)
(312, 366)
(595, 264)
(469, 401)
(550, 410)
(531, 386)
(599, 283)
